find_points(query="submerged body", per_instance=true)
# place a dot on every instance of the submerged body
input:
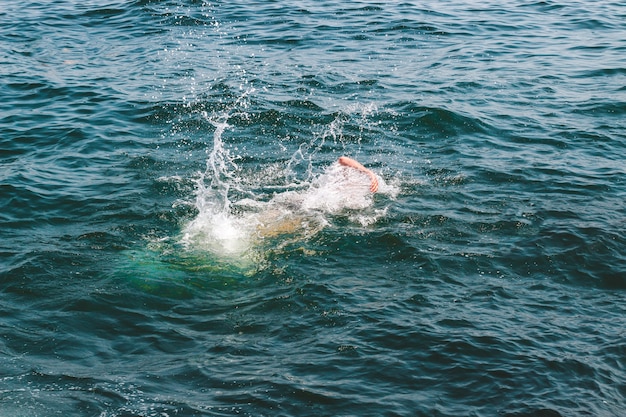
(345, 187)
(335, 190)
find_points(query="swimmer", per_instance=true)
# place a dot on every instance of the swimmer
(291, 212)
(349, 162)
(344, 190)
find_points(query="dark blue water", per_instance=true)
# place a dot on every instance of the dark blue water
(174, 241)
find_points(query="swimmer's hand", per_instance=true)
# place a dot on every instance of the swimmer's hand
(349, 162)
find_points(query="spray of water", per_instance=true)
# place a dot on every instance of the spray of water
(243, 229)
(215, 228)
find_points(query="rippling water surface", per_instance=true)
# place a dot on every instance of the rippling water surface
(178, 240)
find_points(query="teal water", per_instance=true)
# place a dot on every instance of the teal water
(177, 240)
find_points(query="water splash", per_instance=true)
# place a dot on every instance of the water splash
(215, 228)
(233, 223)
(240, 223)
(355, 114)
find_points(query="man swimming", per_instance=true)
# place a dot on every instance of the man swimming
(336, 190)
(344, 188)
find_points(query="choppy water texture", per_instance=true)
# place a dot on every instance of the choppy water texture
(178, 240)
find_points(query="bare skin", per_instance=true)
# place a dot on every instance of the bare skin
(275, 223)
(349, 162)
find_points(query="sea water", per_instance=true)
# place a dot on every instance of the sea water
(178, 239)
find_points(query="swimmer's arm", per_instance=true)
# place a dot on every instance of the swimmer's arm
(349, 162)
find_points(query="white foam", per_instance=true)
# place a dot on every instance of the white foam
(338, 188)
(219, 233)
